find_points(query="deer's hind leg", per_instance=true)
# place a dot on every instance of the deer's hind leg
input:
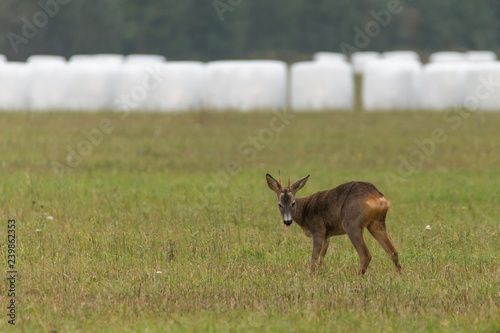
(355, 234)
(378, 230)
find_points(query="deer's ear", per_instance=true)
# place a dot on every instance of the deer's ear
(299, 184)
(273, 183)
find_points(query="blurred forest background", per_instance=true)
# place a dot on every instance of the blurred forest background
(289, 30)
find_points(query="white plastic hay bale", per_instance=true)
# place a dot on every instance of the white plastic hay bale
(169, 87)
(481, 56)
(447, 56)
(359, 60)
(401, 55)
(329, 56)
(130, 91)
(482, 92)
(3, 58)
(14, 80)
(48, 86)
(319, 86)
(443, 85)
(92, 85)
(180, 87)
(144, 58)
(41, 58)
(245, 85)
(390, 84)
(173, 86)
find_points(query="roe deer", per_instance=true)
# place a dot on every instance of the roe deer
(347, 209)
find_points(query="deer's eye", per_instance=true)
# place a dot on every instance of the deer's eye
(281, 206)
(293, 203)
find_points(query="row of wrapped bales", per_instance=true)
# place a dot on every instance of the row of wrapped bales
(470, 56)
(109, 82)
(360, 59)
(471, 85)
(95, 86)
(141, 83)
(170, 86)
(407, 85)
(450, 80)
(47, 83)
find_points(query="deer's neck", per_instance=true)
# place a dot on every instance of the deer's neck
(299, 210)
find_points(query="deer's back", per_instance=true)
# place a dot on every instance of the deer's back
(345, 203)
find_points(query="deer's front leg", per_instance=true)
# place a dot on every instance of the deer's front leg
(317, 246)
(326, 242)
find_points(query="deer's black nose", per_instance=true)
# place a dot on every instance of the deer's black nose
(287, 222)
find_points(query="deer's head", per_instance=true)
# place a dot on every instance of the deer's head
(286, 196)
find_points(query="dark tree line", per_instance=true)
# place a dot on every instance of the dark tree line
(226, 29)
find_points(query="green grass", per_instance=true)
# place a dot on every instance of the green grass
(161, 192)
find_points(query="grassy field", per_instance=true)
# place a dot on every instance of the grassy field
(164, 222)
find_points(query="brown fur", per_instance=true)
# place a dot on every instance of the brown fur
(345, 209)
